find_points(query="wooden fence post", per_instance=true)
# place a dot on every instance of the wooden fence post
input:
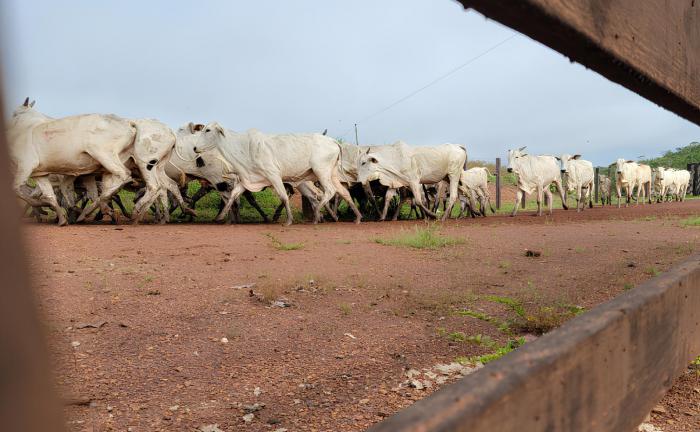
(523, 200)
(596, 183)
(498, 183)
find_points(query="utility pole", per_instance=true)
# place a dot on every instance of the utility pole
(357, 142)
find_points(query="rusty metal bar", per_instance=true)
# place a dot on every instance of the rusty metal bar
(498, 183)
(602, 371)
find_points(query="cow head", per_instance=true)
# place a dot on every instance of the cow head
(368, 167)
(513, 156)
(659, 173)
(209, 137)
(564, 161)
(621, 165)
(25, 107)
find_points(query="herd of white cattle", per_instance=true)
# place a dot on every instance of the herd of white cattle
(61, 163)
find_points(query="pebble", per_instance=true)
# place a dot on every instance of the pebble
(248, 417)
(659, 409)
(257, 391)
(224, 340)
(75, 344)
(417, 384)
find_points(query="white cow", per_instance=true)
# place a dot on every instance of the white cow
(76, 145)
(399, 165)
(535, 174)
(260, 160)
(669, 181)
(630, 174)
(579, 178)
(682, 183)
(663, 180)
(473, 185)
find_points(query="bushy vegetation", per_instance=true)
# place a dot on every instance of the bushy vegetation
(678, 158)
(428, 237)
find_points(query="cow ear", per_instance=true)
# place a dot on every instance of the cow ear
(576, 156)
(220, 129)
(368, 149)
(26, 102)
(629, 161)
(557, 158)
(198, 127)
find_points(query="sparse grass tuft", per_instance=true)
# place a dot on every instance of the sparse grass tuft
(277, 244)
(691, 221)
(269, 293)
(652, 271)
(345, 309)
(511, 345)
(503, 326)
(421, 238)
(513, 304)
(543, 320)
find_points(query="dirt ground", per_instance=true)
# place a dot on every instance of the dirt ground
(177, 340)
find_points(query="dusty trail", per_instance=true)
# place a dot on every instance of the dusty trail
(361, 313)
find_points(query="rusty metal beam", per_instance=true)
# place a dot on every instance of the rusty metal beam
(652, 47)
(602, 371)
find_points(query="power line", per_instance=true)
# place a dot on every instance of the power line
(432, 83)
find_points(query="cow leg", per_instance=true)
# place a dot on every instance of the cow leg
(388, 196)
(278, 187)
(518, 197)
(540, 193)
(248, 195)
(578, 198)
(48, 196)
(172, 187)
(344, 194)
(454, 185)
(549, 198)
(562, 193)
(420, 201)
(619, 193)
(112, 181)
(233, 196)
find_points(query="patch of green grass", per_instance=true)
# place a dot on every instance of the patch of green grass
(277, 244)
(513, 304)
(652, 271)
(148, 279)
(510, 346)
(503, 326)
(691, 221)
(457, 337)
(542, 320)
(421, 238)
(628, 286)
(579, 249)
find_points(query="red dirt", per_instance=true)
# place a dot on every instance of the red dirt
(334, 359)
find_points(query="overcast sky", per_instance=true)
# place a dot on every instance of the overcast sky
(307, 65)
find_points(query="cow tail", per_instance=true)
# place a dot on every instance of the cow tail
(465, 158)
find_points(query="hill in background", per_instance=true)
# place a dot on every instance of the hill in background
(679, 158)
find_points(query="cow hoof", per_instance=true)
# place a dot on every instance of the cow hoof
(357, 221)
(190, 212)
